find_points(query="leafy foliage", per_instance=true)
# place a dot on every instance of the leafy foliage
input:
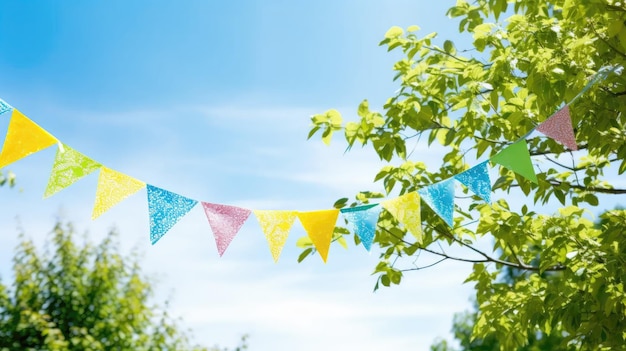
(7, 179)
(528, 58)
(86, 297)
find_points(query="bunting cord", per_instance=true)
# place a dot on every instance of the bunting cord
(24, 137)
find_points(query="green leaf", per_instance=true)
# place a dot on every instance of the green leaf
(394, 32)
(341, 203)
(313, 131)
(304, 254)
(591, 199)
(342, 241)
(481, 30)
(304, 242)
(448, 47)
(413, 28)
(334, 117)
(327, 136)
(384, 279)
(516, 101)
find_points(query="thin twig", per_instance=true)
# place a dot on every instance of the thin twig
(487, 258)
(423, 267)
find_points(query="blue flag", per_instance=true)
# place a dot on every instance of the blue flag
(362, 221)
(166, 209)
(476, 179)
(440, 198)
(4, 107)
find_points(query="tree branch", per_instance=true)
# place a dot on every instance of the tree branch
(619, 93)
(606, 42)
(591, 189)
(424, 267)
(548, 152)
(447, 54)
(572, 168)
(487, 258)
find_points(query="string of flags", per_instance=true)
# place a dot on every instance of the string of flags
(165, 208)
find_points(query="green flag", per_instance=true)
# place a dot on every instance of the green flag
(69, 166)
(516, 158)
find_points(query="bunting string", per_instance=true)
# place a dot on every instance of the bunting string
(165, 208)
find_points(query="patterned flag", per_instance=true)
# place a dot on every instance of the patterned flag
(362, 220)
(276, 226)
(406, 209)
(4, 107)
(476, 179)
(113, 188)
(559, 128)
(225, 222)
(166, 209)
(440, 198)
(69, 166)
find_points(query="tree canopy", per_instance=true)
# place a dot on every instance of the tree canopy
(83, 297)
(526, 60)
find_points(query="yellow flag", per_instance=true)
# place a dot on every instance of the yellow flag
(320, 226)
(276, 226)
(406, 209)
(24, 137)
(113, 187)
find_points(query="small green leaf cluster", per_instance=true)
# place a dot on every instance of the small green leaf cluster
(7, 179)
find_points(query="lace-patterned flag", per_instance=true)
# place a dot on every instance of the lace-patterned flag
(165, 209)
(4, 107)
(113, 188)
(362, 221)
(406, 209)
(559, 127)
(276, 225)
(225, 222)
(476, 179)
(69, 166)
(320, 226)
(517, 158)
(440, 198)
(24, 137)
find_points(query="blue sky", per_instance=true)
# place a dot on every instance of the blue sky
(212, 100)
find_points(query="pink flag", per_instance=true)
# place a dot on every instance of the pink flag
(225, 222)
(559, 128)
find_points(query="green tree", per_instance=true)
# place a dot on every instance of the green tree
(83, 297)
(527, 59)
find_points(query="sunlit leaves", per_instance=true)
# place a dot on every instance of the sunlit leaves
(553, 275)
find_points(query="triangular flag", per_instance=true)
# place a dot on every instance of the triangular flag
(440, 198)
(113, 187)
(406, 209)
(320, 226)
(24, 137)
(362, 221)
(476, 179)
(4, 107)
(517, 158)
(225, 222)
(166, 209)
(69, 166)
(559, 128)
(276, 226)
